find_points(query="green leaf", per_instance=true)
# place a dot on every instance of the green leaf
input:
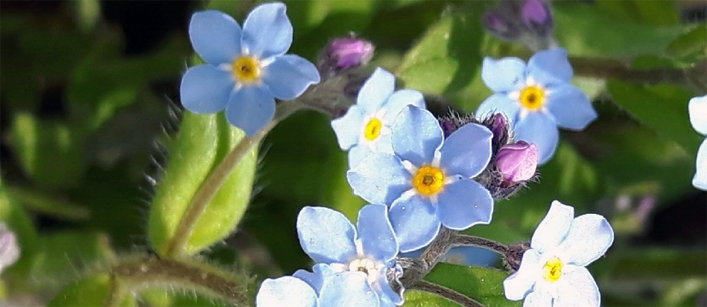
(691, 46)
(663, 108)
(656, 12)
(201, 144)
(481, 284)
(40, 202)
(49, 151)
(93, 291)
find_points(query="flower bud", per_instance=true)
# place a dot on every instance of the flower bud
(517, 162)
(536, 16)
(9, 251)
(498, 25)
(344, 53)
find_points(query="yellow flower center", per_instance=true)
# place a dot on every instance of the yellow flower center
(552, 270)
(532, 97)
(428, 180)
(246, 69)
(372, 129)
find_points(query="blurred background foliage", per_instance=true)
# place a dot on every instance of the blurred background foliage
(89, 97)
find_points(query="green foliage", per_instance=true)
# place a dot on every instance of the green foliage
(202, 143)
(93, 291)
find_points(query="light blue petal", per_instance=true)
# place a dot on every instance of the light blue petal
(379, 179)
(205, 89)
(504, 75)
(358, 154)
(250, 108)
(376, 90)
(376, 234)
(348, 289)
(414, 221)
(385, 292)
(577, 288)
(553, 228)
(348, 127)
(215, 36)
(570, 107)
(700, 179)
(540, 129)
(518, 285)
(326, 235)
(416, 135)
(321, 272)
(498, 103)
(267, 31)
(550, 67)
(588, 239)
(467, 151)
(539, 299)
(289, 75)
(697, 108)
(285, 291)
(398, 101)
(464, 203)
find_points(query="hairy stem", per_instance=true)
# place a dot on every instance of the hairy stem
(429, 258)
(444, 292)
(467, 240)
(218, 176)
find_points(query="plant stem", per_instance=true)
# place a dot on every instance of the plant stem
(467, 240)
(218, 176)
(444, 292)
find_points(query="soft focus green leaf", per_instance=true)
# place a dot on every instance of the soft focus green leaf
(691, 46)
(40, 202)
(201, 144)
(656, 12)
(93, 291)
(481, 284)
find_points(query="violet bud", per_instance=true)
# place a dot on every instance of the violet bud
(344, 53)
(517, 162)
(498, 25)
(9, 251)
(499, 127)
(536, 16)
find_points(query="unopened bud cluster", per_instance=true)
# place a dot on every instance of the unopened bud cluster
(512, 19)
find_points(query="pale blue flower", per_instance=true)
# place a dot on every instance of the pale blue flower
(552, 272)
(536, 98)
(330, 289)
(698, 117)
(328, 237)
(246, 68)
(427, 182)
(365, 127)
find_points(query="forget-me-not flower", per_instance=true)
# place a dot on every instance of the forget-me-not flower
(536, 98)
(328, 237)
(323, 288)
(246, 68)
(698, 117)
(552, 272)
(365, 127)
(427, 182)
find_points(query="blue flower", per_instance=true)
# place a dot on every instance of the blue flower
(365, 127)
(323, 288)
(552, 272)
(698, 117)
(329, 238)
(536, 98)
(245, 68)
(427, 182)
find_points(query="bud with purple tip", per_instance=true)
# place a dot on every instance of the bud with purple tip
(527, 21)
(344, 53)
(9, 251)
(536, 17)
(500, 26)
(517, 162)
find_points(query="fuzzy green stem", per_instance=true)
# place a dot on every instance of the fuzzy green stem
(218, 176)
(445, 292)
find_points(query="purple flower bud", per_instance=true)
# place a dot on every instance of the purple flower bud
(9, 251)
(517, 162)
(498, 25)
(536, 16)
(499, 127)
(344, 53)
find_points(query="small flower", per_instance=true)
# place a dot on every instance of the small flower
(365, 127)
(536, 98)
(328, 237)
(517, 162)
(427, 181)
(324, 288)
(552, 272)
(344, 53)
(246, 68)
(698, 117)
(9, 251)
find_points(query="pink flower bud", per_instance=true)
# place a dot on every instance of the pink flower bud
(499, 127)
(344, 53)
(536, 15)
(517, 162)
